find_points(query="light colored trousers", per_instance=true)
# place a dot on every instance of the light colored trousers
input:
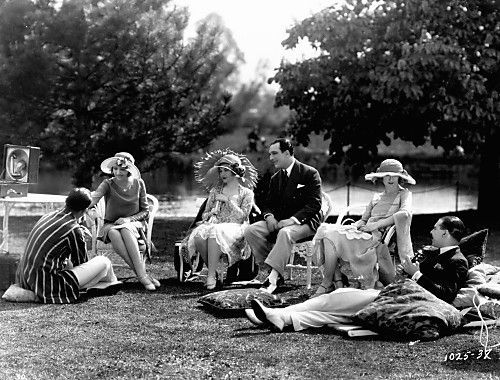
(93, 271)
(335, 307)
(276, 256)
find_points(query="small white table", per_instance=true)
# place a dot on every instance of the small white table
(47, 201)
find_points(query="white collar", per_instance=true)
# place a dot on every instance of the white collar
(289, 169)
(446, 249)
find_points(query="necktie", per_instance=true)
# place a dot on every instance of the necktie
(284, 179)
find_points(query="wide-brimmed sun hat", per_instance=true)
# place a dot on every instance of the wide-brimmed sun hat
(122, 160)
(391, 167)
(206, 170)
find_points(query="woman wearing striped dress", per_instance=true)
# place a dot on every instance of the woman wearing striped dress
(55, 265)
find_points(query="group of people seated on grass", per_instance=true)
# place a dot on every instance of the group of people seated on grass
(55, 265)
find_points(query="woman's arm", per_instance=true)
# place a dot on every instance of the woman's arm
(242, 211)
(100, 192)
(405, 205)
(143, 204)
(210, 205)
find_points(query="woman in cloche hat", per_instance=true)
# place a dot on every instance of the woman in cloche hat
(230, 179)
(126, 210)
(357, 244)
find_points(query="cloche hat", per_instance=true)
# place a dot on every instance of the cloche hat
(123, 160)
(390, 167)
(207, 173)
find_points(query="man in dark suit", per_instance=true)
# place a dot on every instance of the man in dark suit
(292, 211)
(443, 271)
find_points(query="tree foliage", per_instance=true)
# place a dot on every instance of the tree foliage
(95, 77)
(420, 69)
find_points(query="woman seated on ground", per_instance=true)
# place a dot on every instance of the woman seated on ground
(126, 210)
(357, 244)
(54, 264)
(230, 179)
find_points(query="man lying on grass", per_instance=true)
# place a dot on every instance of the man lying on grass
(442, 272)
(55, 265)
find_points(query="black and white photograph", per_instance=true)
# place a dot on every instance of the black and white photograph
(219, 189)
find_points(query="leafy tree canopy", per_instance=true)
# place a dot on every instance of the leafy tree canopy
(420, 69)
(95, 77)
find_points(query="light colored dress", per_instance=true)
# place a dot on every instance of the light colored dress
(228, 226)
(357, 250)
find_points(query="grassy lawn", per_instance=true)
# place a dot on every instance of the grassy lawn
(167, 334)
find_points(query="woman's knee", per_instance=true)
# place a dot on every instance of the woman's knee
(114, 235)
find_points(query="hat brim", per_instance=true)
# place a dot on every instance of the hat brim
(207, 173)
(405, 176)
(228, 168)
(108, 163)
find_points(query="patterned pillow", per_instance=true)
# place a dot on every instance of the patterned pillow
(405, 310)
(473, 247)
(239, 299)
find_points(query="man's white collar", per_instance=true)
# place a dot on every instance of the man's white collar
(446, 249)
(289, 169)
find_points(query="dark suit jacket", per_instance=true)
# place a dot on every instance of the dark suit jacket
(444, 274)
(302, 202)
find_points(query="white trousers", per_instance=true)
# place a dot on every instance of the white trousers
(276, 256)
(335, 307)
(93, 271)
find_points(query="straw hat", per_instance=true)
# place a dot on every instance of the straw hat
(207, 173)
(390, 167)
(123, 160)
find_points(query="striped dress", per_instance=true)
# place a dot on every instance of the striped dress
(55, 237)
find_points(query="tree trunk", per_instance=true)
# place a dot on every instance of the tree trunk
(489, 179)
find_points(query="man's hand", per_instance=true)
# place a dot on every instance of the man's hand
(272, 223)
(409, 267)
(285, 223)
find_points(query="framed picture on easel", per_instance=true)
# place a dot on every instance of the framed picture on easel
(20, 168)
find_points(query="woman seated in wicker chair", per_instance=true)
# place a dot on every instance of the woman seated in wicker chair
(230, 179)
(126, 210)
(358, 244)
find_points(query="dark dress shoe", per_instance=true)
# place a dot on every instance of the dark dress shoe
(269, 287)
(269, 318)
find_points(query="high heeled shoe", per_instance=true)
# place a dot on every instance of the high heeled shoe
(211, 283)
(146, 282)
(155, 282)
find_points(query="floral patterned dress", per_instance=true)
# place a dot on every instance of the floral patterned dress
(227, 226)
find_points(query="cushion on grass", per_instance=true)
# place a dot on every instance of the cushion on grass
(239, 299)
(405, 310)
(490, 289)
(17, 294)
(465, 296)
(473, 247)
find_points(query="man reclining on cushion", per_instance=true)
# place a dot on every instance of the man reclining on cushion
(443, 272)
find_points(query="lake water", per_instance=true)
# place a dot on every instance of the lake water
(440, 198)
(181, 196)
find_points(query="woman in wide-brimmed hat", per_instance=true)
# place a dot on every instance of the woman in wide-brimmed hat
(126, 210)
(230, 179)
(360, 244)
